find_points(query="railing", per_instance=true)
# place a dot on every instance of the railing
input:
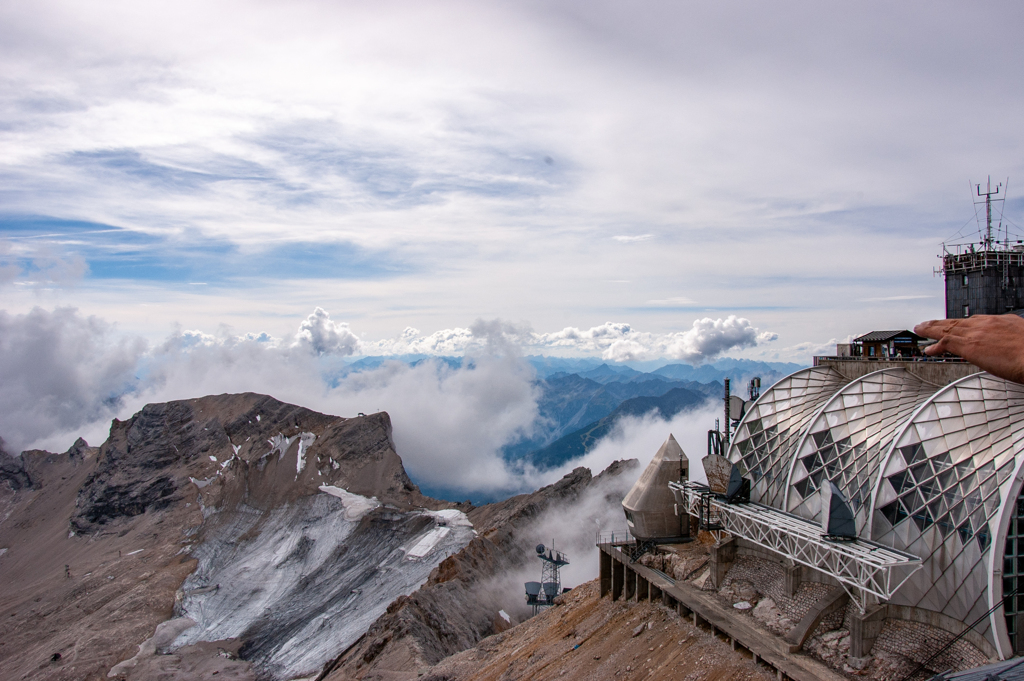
(967, 261)
(616, 538)
(818, 359)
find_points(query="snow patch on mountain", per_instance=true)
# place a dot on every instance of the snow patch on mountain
(305, 440)
(356, 506)
(280, 444)
(451, 517)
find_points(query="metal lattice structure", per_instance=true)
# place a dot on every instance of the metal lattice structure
(931, 471)
(847, 438)
(864, 568)
(774, 424)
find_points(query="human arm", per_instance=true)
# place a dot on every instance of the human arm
(994, 343)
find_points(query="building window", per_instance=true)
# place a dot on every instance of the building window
(967, 310)
(965, 280)
(1013, 574)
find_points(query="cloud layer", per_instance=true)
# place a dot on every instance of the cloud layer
(63, 375)
(616, 342)
(60, 371)
(620, 342)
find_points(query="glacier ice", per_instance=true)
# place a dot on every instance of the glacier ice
(301, 583)
(427, 543)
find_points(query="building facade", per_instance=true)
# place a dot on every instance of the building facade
(989, 280)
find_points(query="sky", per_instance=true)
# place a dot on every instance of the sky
(624, 180)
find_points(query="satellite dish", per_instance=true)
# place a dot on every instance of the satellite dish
(540, 549)
(836, 515)
(716, 470)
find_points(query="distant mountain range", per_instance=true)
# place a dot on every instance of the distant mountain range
(579, 442)
(582, 398)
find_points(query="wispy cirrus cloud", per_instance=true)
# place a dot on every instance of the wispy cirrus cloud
(432, 165)
(885, 299)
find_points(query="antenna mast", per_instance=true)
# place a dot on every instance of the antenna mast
(988, 194)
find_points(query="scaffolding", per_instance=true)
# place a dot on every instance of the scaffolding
(864, 568)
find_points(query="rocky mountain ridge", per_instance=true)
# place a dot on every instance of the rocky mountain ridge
(263, 538)
(134, 517)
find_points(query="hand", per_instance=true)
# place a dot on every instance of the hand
(994, 343)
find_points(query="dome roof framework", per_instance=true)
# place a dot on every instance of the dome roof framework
(772, 428)
(847, 438)
(930, 471)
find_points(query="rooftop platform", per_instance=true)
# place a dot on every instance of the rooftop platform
(938, 371)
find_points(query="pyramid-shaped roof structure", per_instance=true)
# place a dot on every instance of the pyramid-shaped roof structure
(649, 505)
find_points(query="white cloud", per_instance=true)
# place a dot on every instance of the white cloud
(803, 352)
(65, 375)
(620, 342)
(417, 138)
(60, 371)
(613, 341)
(678, 301)
(38, 266)
(641, 437)
(884, 299)
(574, 524)
(325, 337)
(410, 342)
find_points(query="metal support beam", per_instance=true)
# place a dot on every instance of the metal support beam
(864, 568)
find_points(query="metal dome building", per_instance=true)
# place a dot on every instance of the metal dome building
(929, 469)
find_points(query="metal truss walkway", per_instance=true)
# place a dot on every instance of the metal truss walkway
(863, 568)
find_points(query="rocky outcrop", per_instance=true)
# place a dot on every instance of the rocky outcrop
(291, 538)
(148, 461)
(13, 473)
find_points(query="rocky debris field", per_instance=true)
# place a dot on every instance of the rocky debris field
(588, 637)
(754, 587)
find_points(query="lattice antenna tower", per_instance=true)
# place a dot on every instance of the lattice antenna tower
(543, 593)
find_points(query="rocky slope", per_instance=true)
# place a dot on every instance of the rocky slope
(275, 514)
(587, 637)
(238, 536)
(460, 603)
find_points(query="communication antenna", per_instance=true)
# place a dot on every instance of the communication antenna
(988, 194)
(754, 389)
(542, 594)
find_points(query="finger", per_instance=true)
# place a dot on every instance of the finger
(938, 348)
(936, 328)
